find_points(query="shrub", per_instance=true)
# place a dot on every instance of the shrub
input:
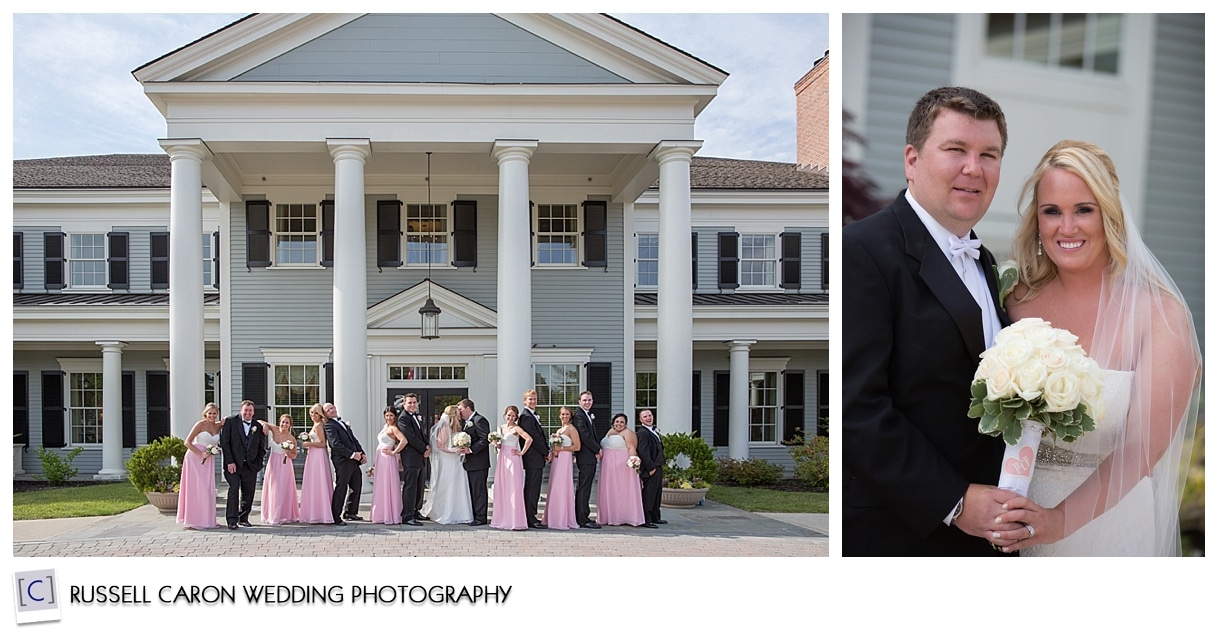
(748, 472)
(58, 469)
(147, 468)
(688, 459)
(811, 459)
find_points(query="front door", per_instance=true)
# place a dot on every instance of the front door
(432, 401)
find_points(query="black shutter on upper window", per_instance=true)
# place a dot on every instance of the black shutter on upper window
(695, 408)
(824, 261)
(21, 408)
(257, 233)
(729, 260)
(532, 234)
(18, 260)
(329, 377)
(388, 233)
(159, 255)
(117, 260)
(596, 237)
(327, 233)
(215, 259)
(791, 259)
(793, 404)
(128, 409)
(465, 233)
(156, 404)
(722, 398)
(52, 409)
(53, 261)
(253, 387)
(693, 251)
(600, 384)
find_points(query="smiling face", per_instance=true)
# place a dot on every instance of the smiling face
(564, 415)
(390, 418)
(647, 418)
(330, 410)
(530, 400)
(955, 174)
(1070, 222)
(585, 400)
(510, 416)
(619, 423)
(285, 423)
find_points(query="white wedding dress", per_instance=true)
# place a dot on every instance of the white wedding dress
(448, 498)
(1127, 529)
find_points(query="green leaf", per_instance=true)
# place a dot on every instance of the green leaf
(1012, 432)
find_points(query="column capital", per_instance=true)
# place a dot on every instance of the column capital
(734, 345)
(349, 148)
(504, 150)
(669, 150)
(111, 345)
(189, 148)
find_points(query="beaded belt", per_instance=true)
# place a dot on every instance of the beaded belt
(1056, 456)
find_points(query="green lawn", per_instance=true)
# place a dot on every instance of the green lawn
(77, 501)
(769, 500)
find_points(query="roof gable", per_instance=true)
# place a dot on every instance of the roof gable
(401, 310)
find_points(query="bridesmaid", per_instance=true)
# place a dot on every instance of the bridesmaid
(386, 483)
(280, 504)
(317, 485)
(509, 474)
(560, 497)
(197, 489)
(619, 496)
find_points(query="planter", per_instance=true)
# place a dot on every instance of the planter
(17, 468)
(682, 498)
(165, 502)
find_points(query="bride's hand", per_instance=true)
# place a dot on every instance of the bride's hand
(1041, 525)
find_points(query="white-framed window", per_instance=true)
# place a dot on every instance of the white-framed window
(557, 385)
(296, 234)
(209, 277)
(1086, 41)
(87, 260)
(444, 372)
(427, 230)
(646, 392)
(763, 406)
(758, 260)
(558, 234)
(296, 388)
(85, 408)
(647, 260)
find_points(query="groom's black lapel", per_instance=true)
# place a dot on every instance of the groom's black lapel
(991, 280)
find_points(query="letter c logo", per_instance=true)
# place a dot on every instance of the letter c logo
(29, 590)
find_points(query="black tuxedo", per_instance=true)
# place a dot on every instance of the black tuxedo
(912, 334)
(651, 453)
(411, 426)
(585, 463)
(347, 481)
(534, 461)
(478, 462)
(248, 452)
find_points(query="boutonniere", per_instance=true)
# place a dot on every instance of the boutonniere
(469, 423)
(591, 416)
(1008, 275)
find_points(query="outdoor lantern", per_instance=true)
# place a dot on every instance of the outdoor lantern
(431, 320)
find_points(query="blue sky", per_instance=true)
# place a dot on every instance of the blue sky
(74, 93)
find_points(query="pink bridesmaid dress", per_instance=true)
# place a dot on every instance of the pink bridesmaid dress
(509, 487)
(280, 505)
(619, 494)
(316, 487)
(560, 497)
(197, 488)
(386, 483)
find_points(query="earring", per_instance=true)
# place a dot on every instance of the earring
(1039, 251)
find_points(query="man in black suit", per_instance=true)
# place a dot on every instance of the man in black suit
(477, 458)
(243, 444)
(585, 460)
(417, 450)
(535, 459)
(347, 456)
(920, 305)
(651, 470)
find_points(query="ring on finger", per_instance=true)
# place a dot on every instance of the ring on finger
(1031, 531)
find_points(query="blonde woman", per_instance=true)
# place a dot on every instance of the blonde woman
(197, 489)
(448, 502)
(317, 484)
(280, 505)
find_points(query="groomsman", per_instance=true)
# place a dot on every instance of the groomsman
(477, 458)
(534, 459)
(243, 444)
(651, 452)
(347, 455)
(585, 460)
(413, 458)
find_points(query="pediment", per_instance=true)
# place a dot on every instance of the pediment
(401, 310)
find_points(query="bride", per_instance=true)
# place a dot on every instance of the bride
(1083, 267)
(448, 501)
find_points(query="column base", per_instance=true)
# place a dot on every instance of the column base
(110, 475)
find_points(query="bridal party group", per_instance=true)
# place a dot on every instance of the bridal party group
(451, 458)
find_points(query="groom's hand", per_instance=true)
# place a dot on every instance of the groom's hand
(982, 506)
(1034, 524)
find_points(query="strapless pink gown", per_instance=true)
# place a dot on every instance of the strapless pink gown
(197, 487)
(386, 484)
(280, 505)
(508, 497)
(560, 497)
(316, 487)
(619, 494)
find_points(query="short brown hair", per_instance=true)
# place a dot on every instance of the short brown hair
(966, 101)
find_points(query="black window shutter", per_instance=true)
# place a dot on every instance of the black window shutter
(729, 260)
(53, 261)
(790, 260)
(215, 259)
(253, 387)
(465, 233)
(327, 233)
(532, 234)
(18, 260)
(52, 409)
(159, 255)
(129, 409)
(388, 233)
(822, 404)
(824, 261)
(722, 396)
(157, 404)
(596, 234)
(117, 260)
(693, 250)
(793, 404)
(257, 233)
(329, 369)
(695, 407)
(600, 384)
(21, 408)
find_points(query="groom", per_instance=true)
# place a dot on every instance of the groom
(477, 458)
(243, 444)
(413, 457)
(920, 306)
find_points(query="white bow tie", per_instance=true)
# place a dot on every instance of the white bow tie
(965, 247)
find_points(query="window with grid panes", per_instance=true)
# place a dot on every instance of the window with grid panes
(296, 388)
(296, 233)
(557, 234)
(557, 385)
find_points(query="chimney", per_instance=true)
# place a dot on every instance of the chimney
(812, 117)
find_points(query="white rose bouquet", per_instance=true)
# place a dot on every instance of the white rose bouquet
(210, 450)
(303, 437)
(556, 440)
(460, 439)
(372, 471)
(495, 439)
(286, 445)
(1035, 379)
(634, 462)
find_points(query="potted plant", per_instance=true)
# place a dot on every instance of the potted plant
(18, 449)
(155, 470)
(689, 470)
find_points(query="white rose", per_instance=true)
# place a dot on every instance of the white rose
(1054, 358)
(1013, 351)
(1030, 379)
(1000, 384)
(1062, 392)
(984, 368)
(1065, 338)
(1041, 336)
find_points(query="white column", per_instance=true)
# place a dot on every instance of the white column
(514, 339)
(350, 283)
(186, 157)
(738, 405)
(112, 411)
(675, 310)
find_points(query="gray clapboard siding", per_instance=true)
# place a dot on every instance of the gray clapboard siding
(810, 254)
(34, 251)
(139, 256)
(708, 258)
